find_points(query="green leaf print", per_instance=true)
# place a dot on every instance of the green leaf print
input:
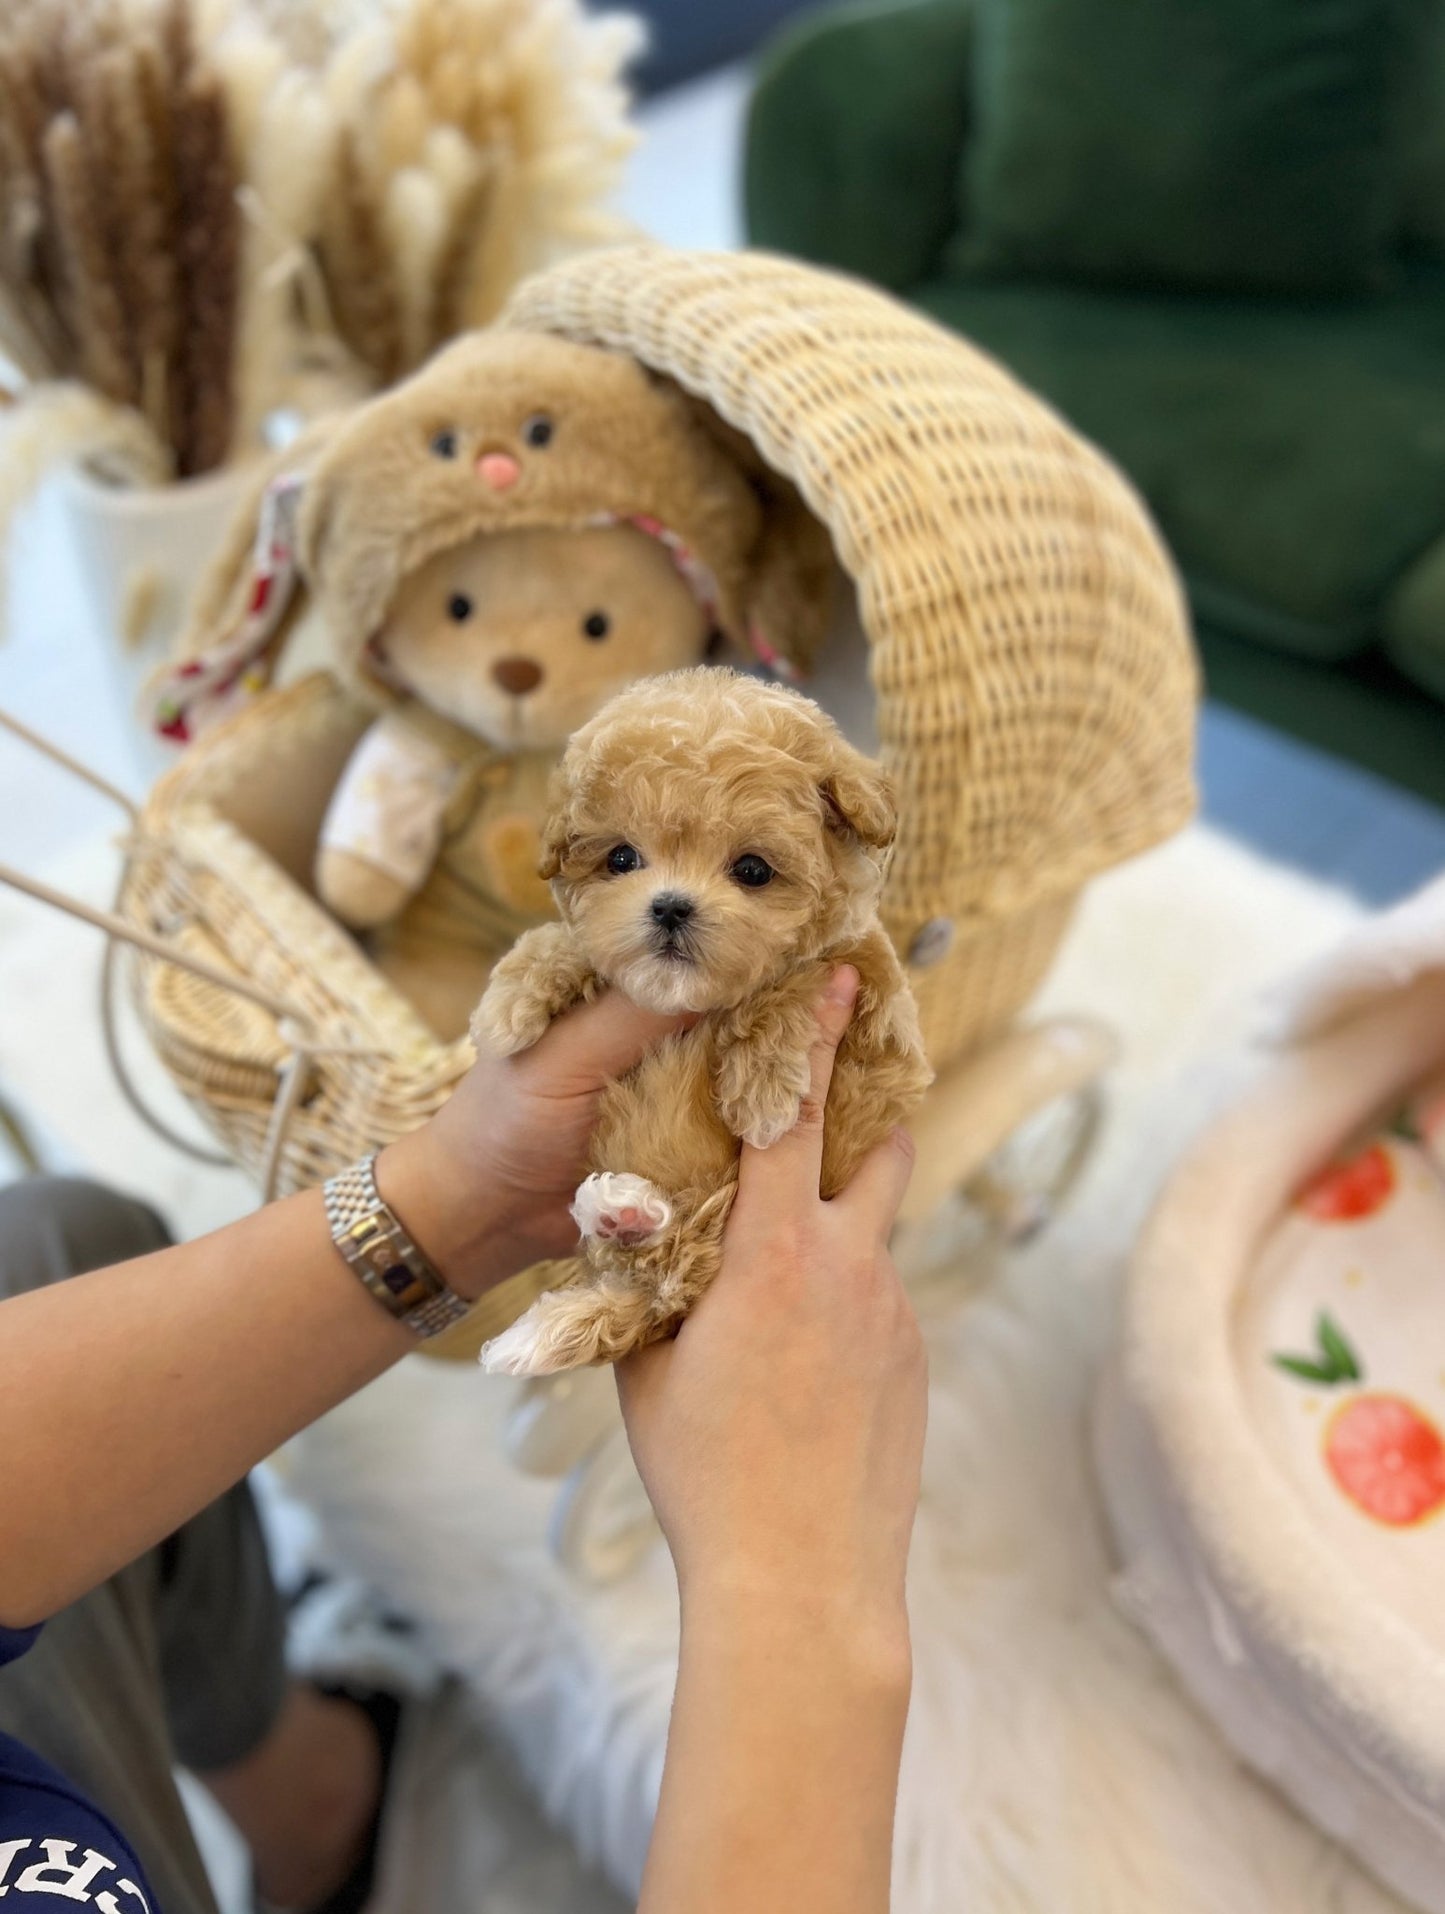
(1341, 1357)
(1334, 1360)
(1301, 1366)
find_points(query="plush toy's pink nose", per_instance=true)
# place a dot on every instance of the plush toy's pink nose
(499, 470)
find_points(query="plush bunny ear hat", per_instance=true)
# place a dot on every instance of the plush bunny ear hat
(504, 430)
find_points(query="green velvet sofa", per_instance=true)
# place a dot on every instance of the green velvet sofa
(1292, 449)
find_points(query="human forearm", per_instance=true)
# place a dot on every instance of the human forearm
(782, 1760)
(131, 1397)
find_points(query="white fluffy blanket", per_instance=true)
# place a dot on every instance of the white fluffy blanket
(1052, 1766)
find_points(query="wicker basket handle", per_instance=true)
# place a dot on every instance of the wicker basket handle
(117, 930)
(48, 749)
(110, 922)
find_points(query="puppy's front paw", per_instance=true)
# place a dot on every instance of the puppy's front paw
(613, 1206)
(766, 1106)
(543, 974)
(765, 1128)
(511, 1017)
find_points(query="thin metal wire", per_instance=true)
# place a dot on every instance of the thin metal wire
(117, 927)
(295, 1080)
(294, 1075)
(69, 763)
(126, 1083)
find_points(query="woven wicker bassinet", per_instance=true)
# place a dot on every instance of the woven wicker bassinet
(1035, 689)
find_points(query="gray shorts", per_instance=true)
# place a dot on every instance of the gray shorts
(179, 1659)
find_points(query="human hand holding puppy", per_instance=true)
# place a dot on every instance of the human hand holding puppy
(779, 1433)
(496, 1168)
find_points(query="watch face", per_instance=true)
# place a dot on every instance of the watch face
(398, 1278)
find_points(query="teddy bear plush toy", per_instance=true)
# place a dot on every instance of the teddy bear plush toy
(495, 548)
(497, 649)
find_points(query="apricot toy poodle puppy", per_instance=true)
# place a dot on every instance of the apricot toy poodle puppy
(714, 845)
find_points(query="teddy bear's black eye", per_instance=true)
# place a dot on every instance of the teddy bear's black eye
(538, 430)
(597, 624)
(753, 872)
(622, 858)
(459, 606)
(444, 444)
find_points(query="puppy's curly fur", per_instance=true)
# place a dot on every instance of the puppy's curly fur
(714, 846)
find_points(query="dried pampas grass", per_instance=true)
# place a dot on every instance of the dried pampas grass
(119, 230)
(206, 206)
(541, 98)
(91, 308)
(356, 262)
(206, 179)
(476, 140)
(283, 314)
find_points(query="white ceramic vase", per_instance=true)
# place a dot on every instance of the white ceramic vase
(139, 554)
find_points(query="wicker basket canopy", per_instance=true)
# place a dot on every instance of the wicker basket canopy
(1035, 681)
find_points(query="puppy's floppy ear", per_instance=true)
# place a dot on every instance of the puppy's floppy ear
(557, 829)
(858, 797)
(554, 847)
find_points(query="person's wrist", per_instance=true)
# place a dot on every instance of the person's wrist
(861, 1636)
(455, 1219)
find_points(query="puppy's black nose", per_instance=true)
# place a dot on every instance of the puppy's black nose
(671, 909)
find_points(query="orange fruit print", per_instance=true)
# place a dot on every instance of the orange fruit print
(1388, 1457)
(1348, 1192)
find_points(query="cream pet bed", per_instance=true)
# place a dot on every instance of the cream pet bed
(1270, 1440)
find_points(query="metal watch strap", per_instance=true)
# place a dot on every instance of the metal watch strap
(371, 1238)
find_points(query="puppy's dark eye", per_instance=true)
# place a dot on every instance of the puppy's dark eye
(752, 872)
(444, 444)
(459, 606)
(596, 624)
(538, 430)
(622, 858)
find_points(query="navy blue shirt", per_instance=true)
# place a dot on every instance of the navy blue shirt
(57, 1851)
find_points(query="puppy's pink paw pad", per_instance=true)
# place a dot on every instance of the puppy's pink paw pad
(613, 1206)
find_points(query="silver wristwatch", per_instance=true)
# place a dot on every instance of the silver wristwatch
(383, 1255)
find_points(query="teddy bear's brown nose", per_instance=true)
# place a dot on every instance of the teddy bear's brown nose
(517, 675)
